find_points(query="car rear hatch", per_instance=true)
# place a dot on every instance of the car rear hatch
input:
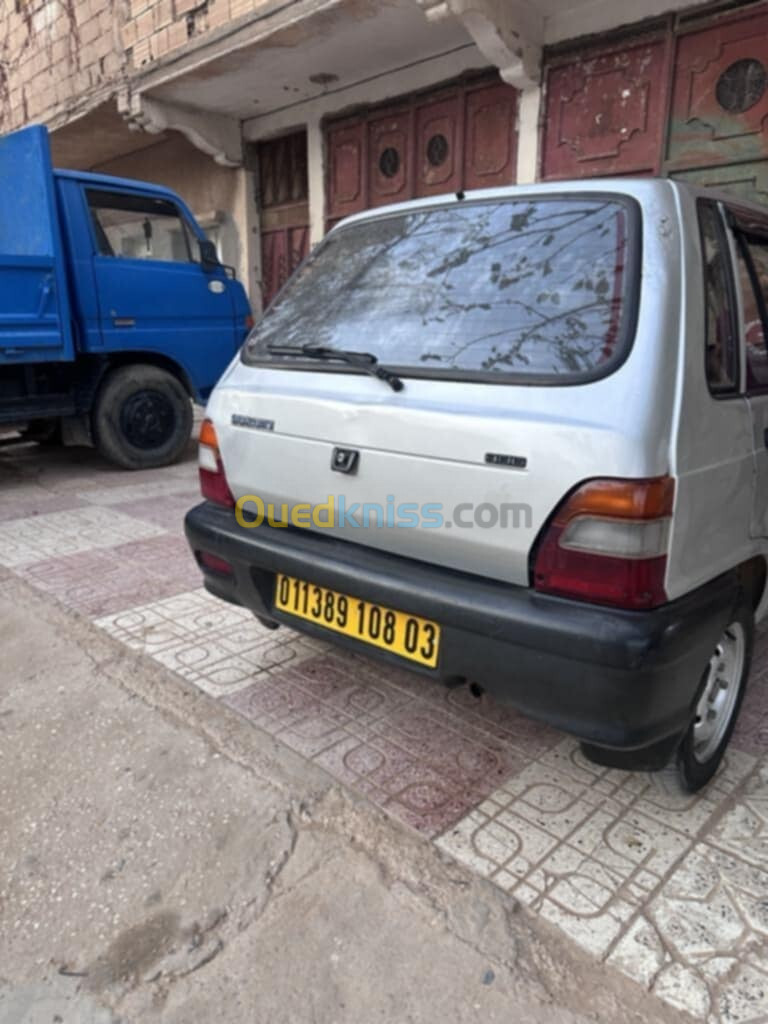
(505, 320)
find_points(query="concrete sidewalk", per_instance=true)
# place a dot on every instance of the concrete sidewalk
(162, 859)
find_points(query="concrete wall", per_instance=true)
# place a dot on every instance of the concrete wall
(156, 27)
(56, 56)
(218, 196)
(59, 58)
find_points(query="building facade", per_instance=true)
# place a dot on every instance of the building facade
(275, 118)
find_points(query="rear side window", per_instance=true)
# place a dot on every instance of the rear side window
(541, 289)
(753, 280)
(721, 360)
(140, 227)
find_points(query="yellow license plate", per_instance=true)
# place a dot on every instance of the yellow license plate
(407, 635)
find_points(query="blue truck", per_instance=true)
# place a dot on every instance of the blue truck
(115, 312)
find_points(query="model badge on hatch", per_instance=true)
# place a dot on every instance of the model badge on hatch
(251, 423)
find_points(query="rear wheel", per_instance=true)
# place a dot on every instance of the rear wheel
(142, 418)
(722, 691)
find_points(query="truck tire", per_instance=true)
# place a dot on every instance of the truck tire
(142, 417)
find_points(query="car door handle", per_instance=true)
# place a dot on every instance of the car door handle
(124, 321)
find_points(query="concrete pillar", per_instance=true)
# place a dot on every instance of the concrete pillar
(316, 174)
(529, 111)
(246, 216)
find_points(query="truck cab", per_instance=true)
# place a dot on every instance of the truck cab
(115, 312)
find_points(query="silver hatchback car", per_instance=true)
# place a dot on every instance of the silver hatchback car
(516, 439)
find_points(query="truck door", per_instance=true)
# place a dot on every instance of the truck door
(153, 293)
(751, 249)
(35, 322)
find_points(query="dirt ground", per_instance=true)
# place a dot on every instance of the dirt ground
(163, 859)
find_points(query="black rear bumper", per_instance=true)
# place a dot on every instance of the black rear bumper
(617, 679)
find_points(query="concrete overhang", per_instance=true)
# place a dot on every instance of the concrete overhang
(298, 60)
(100, 135)
(284, 60)
(308, 52)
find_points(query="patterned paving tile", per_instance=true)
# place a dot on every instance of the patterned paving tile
(217, 646)
(23, 541)
(391, 735)
(164, 487)
(107, 580)
(167, 512)
(751, 732)
(27, 500)
(668, 887)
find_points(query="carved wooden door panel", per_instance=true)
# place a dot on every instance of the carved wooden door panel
(718, 132)
(439, 144)
(490, 151)
(605, 109)
(347, 183)
(459, 136)
(284, 208)
(390, 161)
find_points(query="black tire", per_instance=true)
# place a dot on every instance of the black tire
(142, 417)
(697, 759)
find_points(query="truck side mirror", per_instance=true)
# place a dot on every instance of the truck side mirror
(209, 259)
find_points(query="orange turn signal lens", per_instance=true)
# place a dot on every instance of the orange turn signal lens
(213, 479)
(620, 499)
(208, 435)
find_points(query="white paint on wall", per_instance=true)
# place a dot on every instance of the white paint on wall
(574, 19)
(316, 174)
(246, 216)
(377, 88)
(529, 112)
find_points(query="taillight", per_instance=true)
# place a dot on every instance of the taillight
(213, 480)
(608, 543)
(249, 322)
(215, 564)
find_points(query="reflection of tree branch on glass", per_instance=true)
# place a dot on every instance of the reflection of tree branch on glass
(534, 286)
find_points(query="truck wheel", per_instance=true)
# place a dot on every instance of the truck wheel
(722, 691)
(142, 417)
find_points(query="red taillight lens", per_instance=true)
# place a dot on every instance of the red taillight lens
(249, 322)
(215, 564)
(213, 480)
(607, 543)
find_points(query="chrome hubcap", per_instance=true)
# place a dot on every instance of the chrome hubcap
(721, 690)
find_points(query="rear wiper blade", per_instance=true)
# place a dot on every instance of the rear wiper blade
(365, 361)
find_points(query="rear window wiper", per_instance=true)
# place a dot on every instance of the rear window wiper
(365, 361)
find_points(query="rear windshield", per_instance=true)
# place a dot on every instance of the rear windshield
(538, 288)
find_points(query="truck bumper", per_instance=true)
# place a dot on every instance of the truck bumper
(622, 680)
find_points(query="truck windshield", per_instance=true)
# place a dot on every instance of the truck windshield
(535, 288)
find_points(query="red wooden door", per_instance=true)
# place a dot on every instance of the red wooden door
(439, 145)
(456, 137)
(688, 100)
(718, 133)
(605, 109)
(490, 153)
(347, 184)
(284, 208)
(390, 167)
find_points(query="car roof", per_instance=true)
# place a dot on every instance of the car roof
(634, 187)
